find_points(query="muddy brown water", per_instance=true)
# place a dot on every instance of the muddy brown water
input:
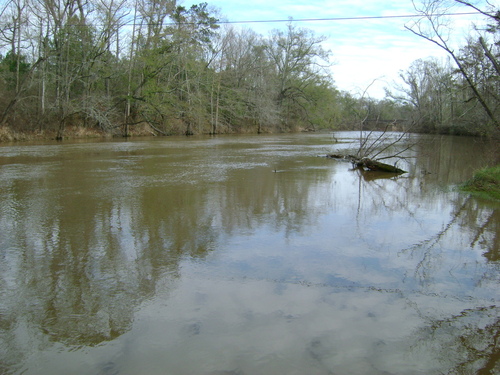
(245, 255)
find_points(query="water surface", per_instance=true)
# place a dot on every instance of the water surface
(245, 255)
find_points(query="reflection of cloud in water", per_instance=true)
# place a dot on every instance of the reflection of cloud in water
(246, 325)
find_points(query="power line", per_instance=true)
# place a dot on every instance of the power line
(328, 19)
(360, 18)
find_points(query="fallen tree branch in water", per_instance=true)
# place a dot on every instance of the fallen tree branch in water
(368, 163)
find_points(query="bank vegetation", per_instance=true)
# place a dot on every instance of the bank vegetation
(128, 67)
(485, 183)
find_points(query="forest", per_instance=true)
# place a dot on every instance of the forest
(125, 67)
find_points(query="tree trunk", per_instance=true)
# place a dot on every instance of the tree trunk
(378, 166)
(367, 163)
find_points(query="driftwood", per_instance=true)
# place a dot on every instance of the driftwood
(367, 163)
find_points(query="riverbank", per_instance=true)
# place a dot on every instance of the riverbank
(71, 132)
(485, 183)
(77, 133)
(139, 130)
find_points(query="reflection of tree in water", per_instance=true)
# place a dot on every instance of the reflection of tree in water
(470, 339)
(468, 342)
(83, 265)
(479, 222)
(87, 260)
(483, 224)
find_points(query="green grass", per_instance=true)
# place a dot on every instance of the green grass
(485, 183)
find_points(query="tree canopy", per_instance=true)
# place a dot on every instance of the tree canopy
(121, 65)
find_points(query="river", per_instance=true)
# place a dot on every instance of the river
(246, 255)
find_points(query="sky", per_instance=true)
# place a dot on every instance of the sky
(367, 54)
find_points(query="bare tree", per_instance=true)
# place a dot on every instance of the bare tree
(428, 86)
(15, 19)
(433, 27)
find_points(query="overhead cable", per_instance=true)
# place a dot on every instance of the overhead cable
(360, 18)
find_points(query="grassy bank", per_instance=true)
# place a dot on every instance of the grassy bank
(485, 183)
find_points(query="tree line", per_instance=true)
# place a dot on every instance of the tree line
(121, 65)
